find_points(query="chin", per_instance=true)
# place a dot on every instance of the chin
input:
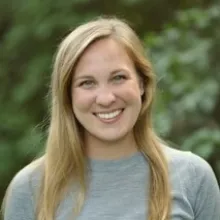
(111, 138)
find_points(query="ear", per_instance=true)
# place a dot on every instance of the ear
(141, 84)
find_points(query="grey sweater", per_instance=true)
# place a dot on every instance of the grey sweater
(118, 190)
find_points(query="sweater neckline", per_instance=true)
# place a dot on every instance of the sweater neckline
(116, 164)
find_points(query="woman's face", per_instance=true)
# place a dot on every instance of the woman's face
(106, 91)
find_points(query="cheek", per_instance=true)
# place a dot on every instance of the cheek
(81, 100)
(131, 92)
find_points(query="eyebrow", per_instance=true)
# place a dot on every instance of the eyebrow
(83, 77)
(91, 77)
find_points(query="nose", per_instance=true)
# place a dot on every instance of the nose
(105, 97)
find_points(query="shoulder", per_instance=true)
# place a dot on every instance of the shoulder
(20, 198)
(193, 177)
(189, 162)
(26, 181)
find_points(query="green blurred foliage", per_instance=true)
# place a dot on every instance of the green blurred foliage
(181, 37)
(185, 55)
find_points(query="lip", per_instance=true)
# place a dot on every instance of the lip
(112, 120)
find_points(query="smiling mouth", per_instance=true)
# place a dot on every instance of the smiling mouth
(109, 115)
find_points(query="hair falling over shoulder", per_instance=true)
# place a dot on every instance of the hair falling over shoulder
(64, 160)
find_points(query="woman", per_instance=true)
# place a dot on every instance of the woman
(103, 159)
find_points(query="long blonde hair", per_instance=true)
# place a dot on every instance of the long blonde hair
(64, 159)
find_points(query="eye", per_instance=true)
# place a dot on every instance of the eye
(119, 78)
(87, 84)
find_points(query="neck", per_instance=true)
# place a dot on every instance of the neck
(110, 150)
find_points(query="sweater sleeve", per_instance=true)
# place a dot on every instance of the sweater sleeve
(206, 201)
(19, 199)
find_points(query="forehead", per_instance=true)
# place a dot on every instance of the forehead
(103, 55)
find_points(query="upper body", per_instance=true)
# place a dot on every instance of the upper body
(119, 190)
(102, 95)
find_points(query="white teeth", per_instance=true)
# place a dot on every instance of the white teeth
(109, 115)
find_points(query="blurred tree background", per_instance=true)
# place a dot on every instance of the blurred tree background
(182, 38)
